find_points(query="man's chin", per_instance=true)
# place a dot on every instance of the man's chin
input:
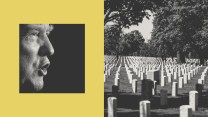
(38, 84)
(34, 85)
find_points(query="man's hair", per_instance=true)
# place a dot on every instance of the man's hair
(23, 31)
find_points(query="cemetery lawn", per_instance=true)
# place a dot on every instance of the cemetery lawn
(128, 102)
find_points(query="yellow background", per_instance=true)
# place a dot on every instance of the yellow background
(88, 104)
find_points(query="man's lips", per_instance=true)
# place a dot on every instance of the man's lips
(42, 72)
(43, 69)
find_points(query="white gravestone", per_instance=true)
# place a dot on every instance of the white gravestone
(117, 82)
(153, 75)
(185, 77)
(174, 89)
(154, 88)
(189, 75)
(112, 107)
(134, 85)
(175, 75)
(180, 82)
(185, 111)
(193, 100)
(162, 81)
(144, 108)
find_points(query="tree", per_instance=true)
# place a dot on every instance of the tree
(148, 49)
(200, 42)
(131, 42)
(125, 13)
(128, 12)
(112, 39)
(179, 25)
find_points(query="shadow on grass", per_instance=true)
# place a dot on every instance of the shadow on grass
(124, 100)
(173, 102)
(136, 114)
(203, 100)
(131, 101)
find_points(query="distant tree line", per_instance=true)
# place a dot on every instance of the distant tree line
(117, 42)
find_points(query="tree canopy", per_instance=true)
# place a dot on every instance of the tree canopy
(116, 42)
(128, 12)
(180, 27)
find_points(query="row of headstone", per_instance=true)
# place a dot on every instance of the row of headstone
(109, 70)
(109, 59)
(185, 110)
(117, 79)
(202, 79)
(155, 77)
(129, 74)
(184, 72)
(146, 61)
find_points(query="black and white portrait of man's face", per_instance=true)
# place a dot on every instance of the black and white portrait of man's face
(35, 47)
(65, 72)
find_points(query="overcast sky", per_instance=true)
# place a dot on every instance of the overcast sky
(145, 28)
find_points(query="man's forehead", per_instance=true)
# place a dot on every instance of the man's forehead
(45, 27)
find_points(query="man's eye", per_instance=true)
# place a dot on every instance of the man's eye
(32, 36)
(35, 33)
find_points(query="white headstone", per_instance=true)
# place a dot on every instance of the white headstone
(139, 73)
(185, 77)
(153, 75)
(180, 82)
(170, 76)
(185, 111)
(193, 100)
(112, 107)
(192, 73)
(174, 89)
(130, 78)
(189, 75)
(162, 81)
(117, 82)
(200, 81)
(134, 85)
(144, 108)
(175, 75)
(142, 75)
(154, 88)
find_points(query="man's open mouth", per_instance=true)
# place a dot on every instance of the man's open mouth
(43, 69)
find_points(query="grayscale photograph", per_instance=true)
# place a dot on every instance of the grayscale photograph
(155, 58)
(51, 58)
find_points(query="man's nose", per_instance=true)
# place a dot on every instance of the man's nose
(46, 49)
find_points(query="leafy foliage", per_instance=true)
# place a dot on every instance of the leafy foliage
(180, 27)
(128, 12)
(112, 39)
(131, 42)
(124, 44)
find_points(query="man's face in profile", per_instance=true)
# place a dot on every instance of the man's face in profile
(35, 47)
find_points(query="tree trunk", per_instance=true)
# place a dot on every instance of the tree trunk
(172, 58)
(201, 61)
(201, 58)
(180, 57)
